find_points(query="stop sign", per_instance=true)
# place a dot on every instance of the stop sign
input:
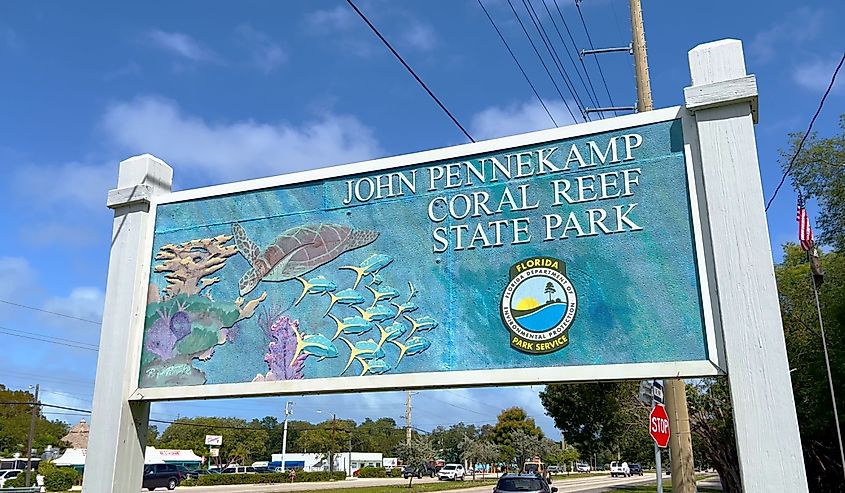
(658, 425)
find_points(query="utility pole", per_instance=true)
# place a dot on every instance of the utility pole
(331, 452)
(32, 417)
(680, 441)
(288, 412)
(408, 419)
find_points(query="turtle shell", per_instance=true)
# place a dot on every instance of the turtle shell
(312, 245)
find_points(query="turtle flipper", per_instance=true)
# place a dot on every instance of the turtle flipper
(248, 282)
(247, 247)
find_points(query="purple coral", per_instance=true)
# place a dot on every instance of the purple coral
(160, 339)
(281, 349)
(180, 325)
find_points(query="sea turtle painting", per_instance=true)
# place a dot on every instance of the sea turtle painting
(296, 251)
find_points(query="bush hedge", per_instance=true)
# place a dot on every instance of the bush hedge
(372, 472)
(273, 477)
(55, 478)
(396, 472)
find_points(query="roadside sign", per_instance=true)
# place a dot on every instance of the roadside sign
(214, 452)
(658, 425)
(214, 440)
(657, 392)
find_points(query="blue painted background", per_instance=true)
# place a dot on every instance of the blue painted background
(637, 291)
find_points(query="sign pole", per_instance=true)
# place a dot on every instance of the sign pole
(657, 397)
(658, 466)
(118, 437)
(723, 99)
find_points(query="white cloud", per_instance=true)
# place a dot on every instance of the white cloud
(498, 121)
(82, 302)
(70, 185)
(792, 30)
(815, 74)
(264, 53)
(17, 280)
(335, 19)
(180, 44)
(225, 151)
(420, 36)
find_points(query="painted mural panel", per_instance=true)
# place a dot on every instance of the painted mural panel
(572, 252)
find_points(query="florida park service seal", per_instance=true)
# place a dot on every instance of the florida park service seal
(538, 305)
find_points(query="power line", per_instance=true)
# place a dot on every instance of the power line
(517, 63)
(544, 36)
(49, 339)
(543, 62)
(408, 67)
(590, 40)
(595, 96)
(807, 133)
(20, 305)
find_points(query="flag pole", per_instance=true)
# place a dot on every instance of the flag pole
(827, 363)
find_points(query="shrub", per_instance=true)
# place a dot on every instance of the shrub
(396, 472)
(372, 472)
(274, 477)
(55, 478)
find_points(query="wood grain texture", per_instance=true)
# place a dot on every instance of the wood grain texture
(764, 409)
(118, 435)
(735, 91)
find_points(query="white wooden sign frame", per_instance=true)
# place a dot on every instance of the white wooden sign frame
(742, 316)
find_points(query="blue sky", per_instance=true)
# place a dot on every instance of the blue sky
(227, 91)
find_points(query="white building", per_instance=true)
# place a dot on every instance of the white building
(343, 461)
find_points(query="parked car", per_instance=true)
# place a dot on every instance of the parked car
(555, 469)
(196, 473)
(418, 472)
(239, 470)
(582, 467)
(619, 469)
(161, 476)
(452, 472)
(7, 475)
(635, 469)
(523, 483)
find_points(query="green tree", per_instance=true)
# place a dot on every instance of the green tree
(328, 438)
(509, 421)
(711, 422)
(381, 435)
(241, 442)
(604, 419)
(806, 358)
(820, 173)
(14, 424)
(419, 453)
(448, 440)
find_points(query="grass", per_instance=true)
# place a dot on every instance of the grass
(415, 487)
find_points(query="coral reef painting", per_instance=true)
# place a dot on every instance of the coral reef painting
(369, 272)
(183, 321)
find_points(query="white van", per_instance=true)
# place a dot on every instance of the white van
(619, 469)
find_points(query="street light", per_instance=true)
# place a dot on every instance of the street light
(331, 451)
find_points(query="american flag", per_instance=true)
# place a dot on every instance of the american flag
(805, 233)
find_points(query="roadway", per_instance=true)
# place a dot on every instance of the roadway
(594, 484)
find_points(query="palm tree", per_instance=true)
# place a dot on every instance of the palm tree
(550, 290)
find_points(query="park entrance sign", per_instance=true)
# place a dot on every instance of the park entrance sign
(562, 255)
(629, 248)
